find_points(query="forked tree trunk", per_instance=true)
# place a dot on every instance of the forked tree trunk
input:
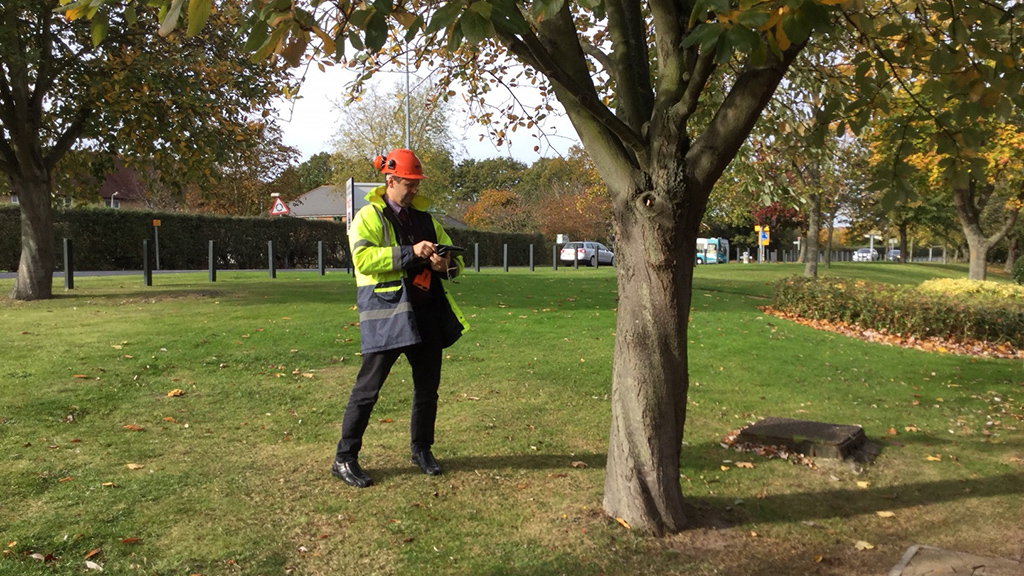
(35, 269)
(655, 255)
(970, 203)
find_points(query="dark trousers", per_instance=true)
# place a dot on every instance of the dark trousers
(425, 360)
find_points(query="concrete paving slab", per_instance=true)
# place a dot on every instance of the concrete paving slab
(920, 560)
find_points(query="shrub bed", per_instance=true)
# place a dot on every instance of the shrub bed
(962, 310)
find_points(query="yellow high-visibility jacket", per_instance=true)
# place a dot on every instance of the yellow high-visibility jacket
(386, 318)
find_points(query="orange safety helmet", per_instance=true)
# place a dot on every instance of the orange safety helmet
(400, 162)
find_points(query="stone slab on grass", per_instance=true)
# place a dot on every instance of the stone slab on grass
(815, 439)
(921, 560)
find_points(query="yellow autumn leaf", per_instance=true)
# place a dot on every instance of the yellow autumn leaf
(133, 466)
(781, 39)
(934, 458)
(724, 468)
(862, 545)
(624, 523)
(745, 465)
(175, 392)
(863, 484)
(885, 514)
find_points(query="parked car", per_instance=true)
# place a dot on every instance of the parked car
(590, 253)
(865, 255)
(893, 255)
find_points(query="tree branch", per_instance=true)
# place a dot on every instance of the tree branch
(631, 63)
(531, 51)
(68, 138)
(735, 118)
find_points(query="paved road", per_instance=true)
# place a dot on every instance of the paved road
(9, 275)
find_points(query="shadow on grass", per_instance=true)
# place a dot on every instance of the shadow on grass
(512, 462)
(849, 502)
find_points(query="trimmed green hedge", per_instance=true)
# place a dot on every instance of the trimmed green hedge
(105, 239)
(934, 310)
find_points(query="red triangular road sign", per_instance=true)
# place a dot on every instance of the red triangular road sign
(279, 208)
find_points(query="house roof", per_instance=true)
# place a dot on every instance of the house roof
(324, 202)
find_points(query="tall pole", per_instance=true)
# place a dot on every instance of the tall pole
(407, 98)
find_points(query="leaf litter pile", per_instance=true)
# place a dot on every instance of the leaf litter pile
(929, 344)
(768, 452)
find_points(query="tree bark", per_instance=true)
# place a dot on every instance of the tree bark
(655, 258)
(813, 228)
(35, 269)
(970, 201)
(1011, 252)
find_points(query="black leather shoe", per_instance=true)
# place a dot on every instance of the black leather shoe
(351, 474)
(425, 460)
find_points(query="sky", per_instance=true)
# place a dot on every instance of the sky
(310, 122)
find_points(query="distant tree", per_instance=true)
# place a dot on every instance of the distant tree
(315, 172)
(375, 123)
(500, 210)
(472, 176)
(111, 85)
(244, 185)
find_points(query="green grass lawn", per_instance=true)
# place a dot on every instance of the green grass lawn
(234, 475)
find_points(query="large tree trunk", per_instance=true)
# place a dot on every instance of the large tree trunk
(655, 255)
(35, 270)
(813, 228)
(904, 254)
(970, 201)
(1011, 251)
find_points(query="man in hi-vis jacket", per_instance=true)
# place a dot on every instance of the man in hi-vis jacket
(404, 308)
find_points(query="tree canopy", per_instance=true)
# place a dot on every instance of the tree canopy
(182, 105)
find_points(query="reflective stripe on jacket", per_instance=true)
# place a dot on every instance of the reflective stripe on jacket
(386, 317)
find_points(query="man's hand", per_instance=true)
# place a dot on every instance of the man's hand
(424, 250)
(440, 263)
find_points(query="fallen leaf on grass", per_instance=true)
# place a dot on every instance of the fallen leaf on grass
(818, 559)
(912, 428)
(133, 427)
(863, 484)
(578, 464)
(862, 545)
(724, 467)
(934, 458)
(131, 540)
(169, 419)
(175, 392)
(624, 523)
(109, 485)
(66, 479)
(133, 466)
(885, 514)
(90, 565)
(748, 465)
(385, 420)
(92, 553)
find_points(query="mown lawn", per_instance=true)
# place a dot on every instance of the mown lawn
(234, 473)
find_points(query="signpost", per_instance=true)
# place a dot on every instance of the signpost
(156, 241)
(279, 208)
(763, 238)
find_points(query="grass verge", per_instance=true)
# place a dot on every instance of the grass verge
(234, 473)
